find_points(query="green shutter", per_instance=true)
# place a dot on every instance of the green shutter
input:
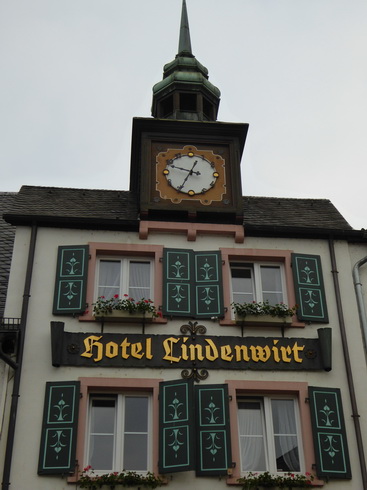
(192, 283)
(59, 429)
(177, 284)
(208, 284)
(330, 440)
(212, 430)
(71, 280)
(176, 448)
(309, 285)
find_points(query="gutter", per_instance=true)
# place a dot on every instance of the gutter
(348, 367)
(18, 369)
(359, 296)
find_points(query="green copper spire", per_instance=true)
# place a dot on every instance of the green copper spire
(184, 43)
(185, 91)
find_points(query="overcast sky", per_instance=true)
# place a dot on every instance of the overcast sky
(75, 72)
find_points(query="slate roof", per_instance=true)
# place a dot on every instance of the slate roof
(106, 209)
(291, 212)
(7, 234)
(58, 205)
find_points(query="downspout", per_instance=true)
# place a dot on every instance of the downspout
(18, 371)
(360, 302)
(352, 394)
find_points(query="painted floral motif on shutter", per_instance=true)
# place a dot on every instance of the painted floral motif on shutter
(60, 417)
(330, 441)
(309, 288)
(71, 277)
(212, 429)
(208, 279)
(176, 427)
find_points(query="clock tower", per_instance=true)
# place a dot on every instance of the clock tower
(185, 165)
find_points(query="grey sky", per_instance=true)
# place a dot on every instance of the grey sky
(75, 72)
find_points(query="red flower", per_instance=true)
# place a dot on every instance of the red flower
(159, 313)
(126, 295)
(116, 296)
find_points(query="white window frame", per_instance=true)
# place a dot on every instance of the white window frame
(119, 433)
(256, 277)
(268, 430)
(125, 274)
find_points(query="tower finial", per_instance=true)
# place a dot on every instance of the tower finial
(184, 44)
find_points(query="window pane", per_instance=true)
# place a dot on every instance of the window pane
(103, 416)
(250, 421)
(242, 284)
(102, 437)
(136, 414)
(109, 278)
(136, 452)
(101, 452)
(139, 280)
(285, 435)
(271, 282)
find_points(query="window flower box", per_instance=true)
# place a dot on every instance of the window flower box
(263, 313)
(262, 320)
(124, 308)
(258, 481)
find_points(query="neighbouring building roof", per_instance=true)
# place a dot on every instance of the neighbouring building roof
(7, 233)
(67, 207)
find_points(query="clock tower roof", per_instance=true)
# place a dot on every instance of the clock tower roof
(185, 91)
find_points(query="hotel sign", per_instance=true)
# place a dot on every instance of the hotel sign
(185, 351)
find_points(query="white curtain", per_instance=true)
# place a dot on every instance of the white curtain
(250, 421)
(285, 435)
(109, 278)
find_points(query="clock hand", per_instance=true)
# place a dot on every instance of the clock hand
(185, 169)
(188, 175)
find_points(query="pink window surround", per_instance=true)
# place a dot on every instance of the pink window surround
(154, 252)
(114, 385)
(256, 255)
(300, 390)
(191, 230)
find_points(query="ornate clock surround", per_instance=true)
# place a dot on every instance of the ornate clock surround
(156, 141)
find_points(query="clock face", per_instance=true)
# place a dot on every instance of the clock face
(189, 173)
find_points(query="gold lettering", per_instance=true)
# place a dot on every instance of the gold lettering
(285, 351)
(276, 351)
(89, 343)
(136, 350)
(260, 353)
(111, 349)
(241, 348)
(193, 355)
(148, 349)
(211, 351)
(184, 352)
(168, 348)
(124, 345)
(226, 353)
(297, 348)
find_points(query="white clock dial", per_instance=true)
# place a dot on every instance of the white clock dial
(191, 174)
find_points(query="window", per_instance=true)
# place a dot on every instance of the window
(119, 433)
(124, 276)
(269, 431)
(257, 282)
